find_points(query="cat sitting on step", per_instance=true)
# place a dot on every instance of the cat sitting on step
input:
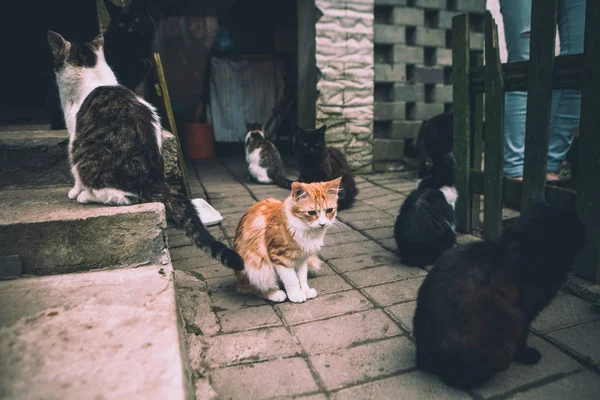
(115, 141)
(263, 158)
(317, 163)
(424, 228)
(475, 307)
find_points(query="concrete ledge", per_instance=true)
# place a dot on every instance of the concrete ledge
(105, 334)
(54, 235)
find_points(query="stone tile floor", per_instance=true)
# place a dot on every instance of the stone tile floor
(353, 341)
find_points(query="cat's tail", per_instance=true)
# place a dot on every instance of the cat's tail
(280, 180)
(183, 212)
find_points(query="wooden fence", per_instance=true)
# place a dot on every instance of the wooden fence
(479, 94)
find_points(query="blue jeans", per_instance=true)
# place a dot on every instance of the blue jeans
(566, 104)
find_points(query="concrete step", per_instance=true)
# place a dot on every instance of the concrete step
(55, 235)
(96, 335)
(35, 157)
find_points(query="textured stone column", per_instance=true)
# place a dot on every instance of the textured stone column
(345, 57)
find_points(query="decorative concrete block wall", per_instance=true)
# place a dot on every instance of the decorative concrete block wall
(346, 59)
(413, 68)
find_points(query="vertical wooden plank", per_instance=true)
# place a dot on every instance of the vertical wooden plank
(494, 133)
(477, 146)
(462, 119)
(307, 62)
(588, 181)
(539, 98)
(160, 76)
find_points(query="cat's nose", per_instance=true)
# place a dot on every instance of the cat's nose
(322, 224)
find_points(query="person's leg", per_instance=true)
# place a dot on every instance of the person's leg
(566, 104)
(516, 15)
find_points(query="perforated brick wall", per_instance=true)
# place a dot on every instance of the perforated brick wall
(413, 68)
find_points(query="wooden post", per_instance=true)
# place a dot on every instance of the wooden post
(539, 97)
(477, 146)
(588, 181)
(494, 133)
(307, 63)
(160, 76)
(462, 119)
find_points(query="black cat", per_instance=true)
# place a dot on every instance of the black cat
(475, 307)
(128, 42)
(319, 163)
(424, 228)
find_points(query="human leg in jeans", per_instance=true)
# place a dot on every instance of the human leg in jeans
(566, 104)
(516, 15)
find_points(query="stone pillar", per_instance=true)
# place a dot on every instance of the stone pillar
(345, 57)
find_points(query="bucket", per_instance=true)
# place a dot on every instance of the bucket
(199, 141)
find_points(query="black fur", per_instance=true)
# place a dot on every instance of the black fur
(270, 159)
(319, 163)
(116, 147)
(129, 42)
(424, 228)
(475, 307)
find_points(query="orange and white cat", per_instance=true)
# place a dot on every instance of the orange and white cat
(281, 239)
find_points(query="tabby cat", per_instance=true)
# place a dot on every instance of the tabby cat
(129, 41)
(115, 141)
(281, 239)
(424, 228)
(263, 158)
(318, 163)
(475, 307)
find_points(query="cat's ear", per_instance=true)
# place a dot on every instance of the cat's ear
(59, 46)
(112, 8)
(321, 131)
(298, 191)
(333, 187)
(98, 42)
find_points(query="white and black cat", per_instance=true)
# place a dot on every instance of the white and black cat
(263, 158)
(424, 228)
(115, 142)
(319, 163)
(475, 307)
(129, 41)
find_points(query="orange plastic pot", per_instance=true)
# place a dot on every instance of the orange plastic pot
(199, 141)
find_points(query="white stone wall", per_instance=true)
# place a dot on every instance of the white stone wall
(345, 57)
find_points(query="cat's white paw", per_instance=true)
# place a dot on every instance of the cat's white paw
(73, 193)
(310, 293)
(277, 296)
(297, 296)
(84, 197)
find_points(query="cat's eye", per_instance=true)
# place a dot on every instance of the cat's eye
(329, 210)
(311, 213)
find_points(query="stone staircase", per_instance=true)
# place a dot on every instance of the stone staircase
(90, 310)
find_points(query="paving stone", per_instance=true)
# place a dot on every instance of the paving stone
(582, 385)
(381, 233)
(222, 283)
(264, 380)
(383, 274)
(319, 396)
(229, 301)
(357, 364)
(464, 239)
(324, 306)
(404, 314)
(328, 284)
(583, 340)
(194, 304)
(389, 244)
(553, 362)
(334, 239)
(349, 249)
(323, 271)
(194, 254)
(565, 310)
(368, 212)
(256, 345)
(413, 386)
(387, 221)
(205, 271)
(372, 192)
(248, 318)
(344, 331)
(396, 292)
(364, 261)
